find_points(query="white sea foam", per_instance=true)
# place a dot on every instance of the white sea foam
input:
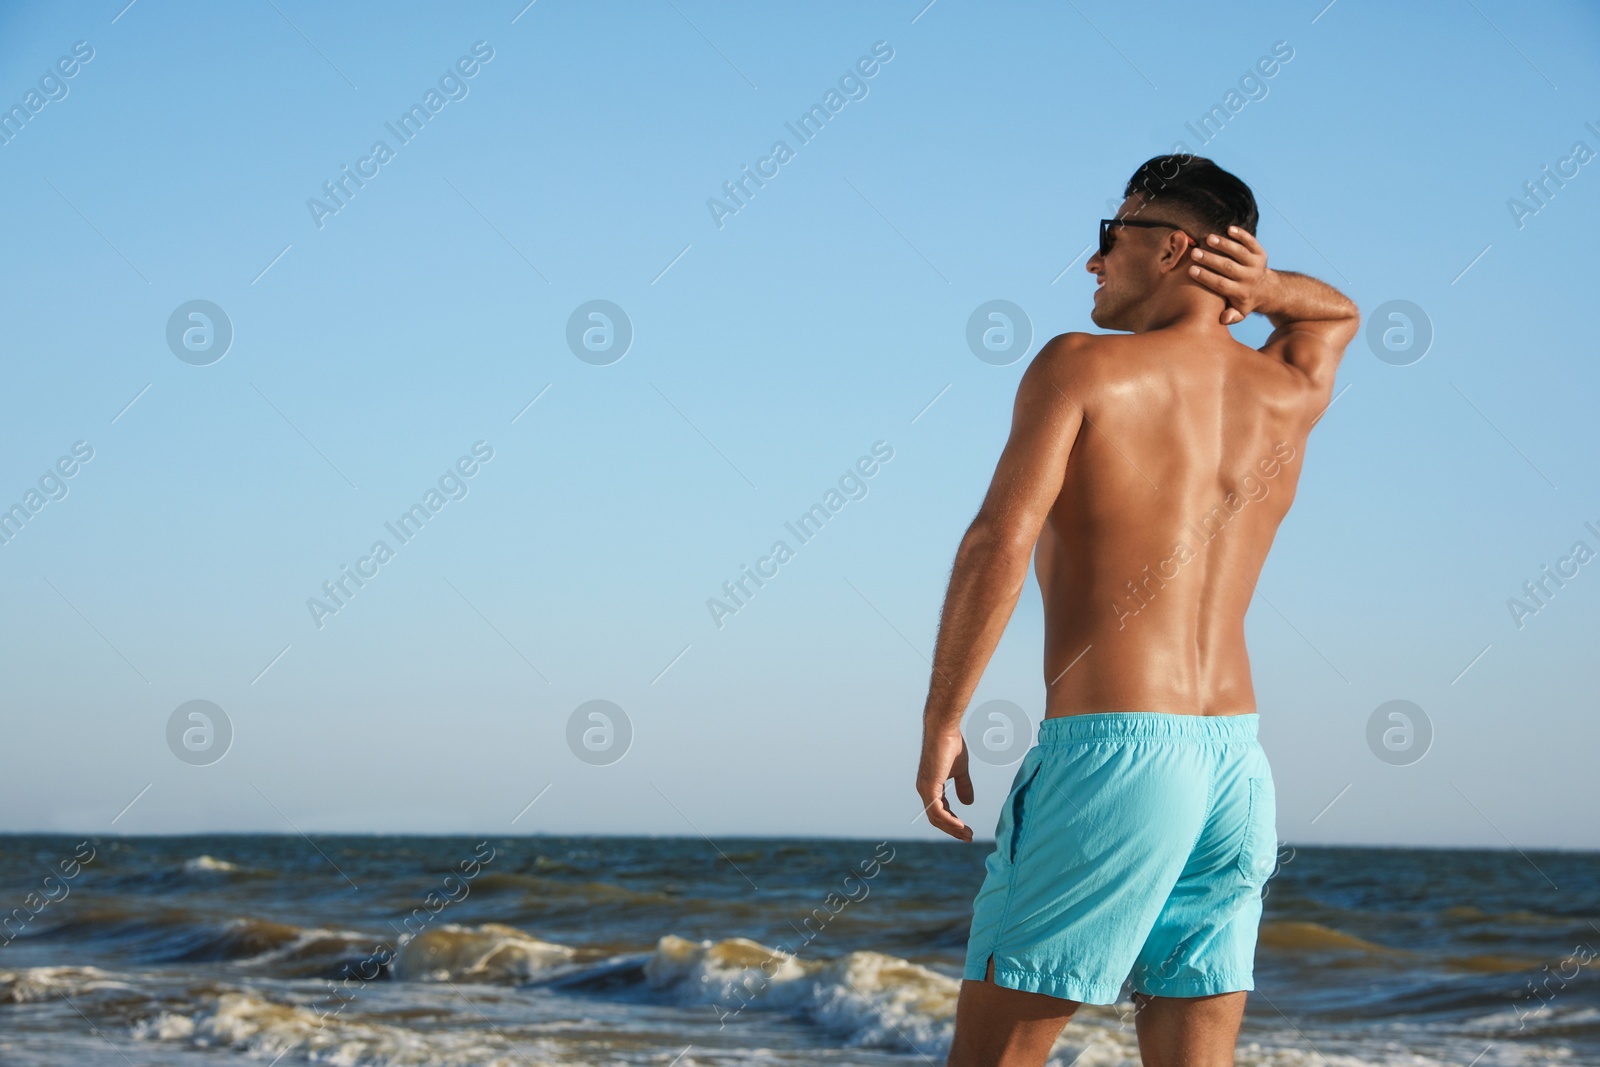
(30, 984)
(264, 1028)
(864, 998)
(487, 953)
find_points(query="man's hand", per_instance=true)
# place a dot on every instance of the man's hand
(944, 756)
(1312, 321)
(1235, 268)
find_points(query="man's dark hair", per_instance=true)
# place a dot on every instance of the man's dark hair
(1198, 188)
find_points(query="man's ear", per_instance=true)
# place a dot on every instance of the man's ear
(1174, 252)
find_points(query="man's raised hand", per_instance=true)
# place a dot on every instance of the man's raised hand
(1235, 268)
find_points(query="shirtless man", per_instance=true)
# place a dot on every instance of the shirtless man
(1152, 469)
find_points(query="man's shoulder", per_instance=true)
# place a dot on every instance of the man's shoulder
(1079, 360)
(1077, 343)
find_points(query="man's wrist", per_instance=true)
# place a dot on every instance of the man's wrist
(1270, 293)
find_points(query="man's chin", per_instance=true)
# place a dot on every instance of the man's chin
(1106, 313)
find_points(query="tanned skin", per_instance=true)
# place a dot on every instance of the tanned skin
(1121, 447)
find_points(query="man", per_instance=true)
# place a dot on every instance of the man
(1152, 469)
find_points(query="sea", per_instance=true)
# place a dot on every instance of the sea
(683, 952)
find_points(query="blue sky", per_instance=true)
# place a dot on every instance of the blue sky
(769, 353)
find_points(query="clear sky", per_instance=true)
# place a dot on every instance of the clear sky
(567, 155)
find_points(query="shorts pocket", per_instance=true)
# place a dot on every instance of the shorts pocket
(1008, 835)
(1259, 851)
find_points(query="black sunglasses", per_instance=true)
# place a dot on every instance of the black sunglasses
(1107, 236)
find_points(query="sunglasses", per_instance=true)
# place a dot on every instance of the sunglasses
(1108, 228)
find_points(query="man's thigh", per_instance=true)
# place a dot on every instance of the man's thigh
(1000, 1027)
(1188, 1031)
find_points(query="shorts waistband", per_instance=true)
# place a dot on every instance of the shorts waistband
(1147, 726)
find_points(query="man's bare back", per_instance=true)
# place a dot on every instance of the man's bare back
(1146, 475)
(1185, 462)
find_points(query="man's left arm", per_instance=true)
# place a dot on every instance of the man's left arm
(991, 565)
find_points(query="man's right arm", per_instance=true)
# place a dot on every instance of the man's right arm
(1312, 321)
(1312, 324)
(991, 565)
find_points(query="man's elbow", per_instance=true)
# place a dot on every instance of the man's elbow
(1349, 325)
(1352, 314)
(997, 542)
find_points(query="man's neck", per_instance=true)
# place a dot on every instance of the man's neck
(1186, 310)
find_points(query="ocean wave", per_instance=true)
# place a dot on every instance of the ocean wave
(177, 936)
(1311, 938)
(209, 865)
(882, 1000)
(1466, 913)
(32, 984)
(234, 939)
(1491, 963)
(866, 998)
(263, 1028)
(1291, 936)
(201, 872)
(1533, 1017)
(557, 892)
(209, 1015)
(487, 953)
(298, 952)
(206, 868)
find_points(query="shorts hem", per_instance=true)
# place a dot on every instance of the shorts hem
(1209, 986)
(1051, 985)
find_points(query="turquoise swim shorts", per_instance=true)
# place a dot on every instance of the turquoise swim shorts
(1132, 844)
